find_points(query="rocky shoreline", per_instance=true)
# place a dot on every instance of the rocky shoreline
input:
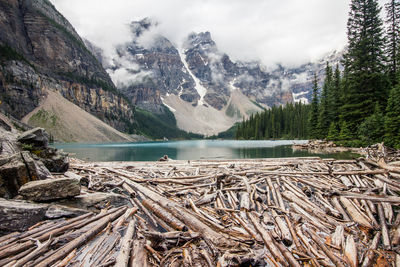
(275, 212)
(35, 184)
(322, 146)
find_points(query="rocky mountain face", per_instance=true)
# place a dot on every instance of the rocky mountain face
(201, 85)
(162, 66)
(299, 79)
(151, 71)
(39, 51)
(220, 75)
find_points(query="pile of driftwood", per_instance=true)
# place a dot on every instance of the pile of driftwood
(274, 212)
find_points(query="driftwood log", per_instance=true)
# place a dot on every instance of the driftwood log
(261, 212)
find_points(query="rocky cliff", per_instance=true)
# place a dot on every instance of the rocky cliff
(146, 71)
(220, 75)
(39, 51)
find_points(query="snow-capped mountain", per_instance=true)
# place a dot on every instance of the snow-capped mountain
(201, 85)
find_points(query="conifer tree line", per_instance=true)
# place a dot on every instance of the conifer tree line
(359, 105)
(278, 122)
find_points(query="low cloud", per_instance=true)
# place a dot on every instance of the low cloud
(125, 72)
(289, 32)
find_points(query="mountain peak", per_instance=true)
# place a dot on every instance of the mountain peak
(199, 39)
(139, 27)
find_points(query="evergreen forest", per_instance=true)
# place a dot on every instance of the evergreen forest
(359, 102)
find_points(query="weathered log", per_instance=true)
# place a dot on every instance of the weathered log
(206, 199)
(377, 199)
(339, 207)
(122, 259)
(328, 253)
(268, 241)
(244, 201)
(139, 254)
(15, 258)
(97, 227)
(385, 166)
(67, 259)
(191, 221)
(286, 236)
(125, 217)
(272, 190)
(164, 215)
(370, 255)
(252, 233)
(41, 248)
(370, 214)
(355, 214)
(309, 248)
(289, 256)
(293, 233)
(350, 251)
(396, 236)
(338, 237)
(311, 219)
(385, 231)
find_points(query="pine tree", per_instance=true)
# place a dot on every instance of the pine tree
(314, 112)
(326, 100)
(393, 39)
(392, 119)
(364, 63)
(336, 96)
(345, 133)
(333, 133)
(372, 129)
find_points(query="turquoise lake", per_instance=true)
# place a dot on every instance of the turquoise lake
(189, 150)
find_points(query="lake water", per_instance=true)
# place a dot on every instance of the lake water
(189, 150)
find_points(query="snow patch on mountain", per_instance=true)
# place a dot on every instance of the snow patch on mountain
(300, 97)
(199, 88)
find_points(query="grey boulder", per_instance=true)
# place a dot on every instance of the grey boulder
(19, 215)
(17, 170)
(53, 159)
(36, 137)
(50, 189)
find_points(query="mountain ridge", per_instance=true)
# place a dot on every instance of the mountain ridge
(196, 73)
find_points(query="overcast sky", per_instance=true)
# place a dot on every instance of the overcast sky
(290, 32)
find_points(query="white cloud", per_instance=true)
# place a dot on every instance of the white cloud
(290, 32)
(127, 72)
(300, 78)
